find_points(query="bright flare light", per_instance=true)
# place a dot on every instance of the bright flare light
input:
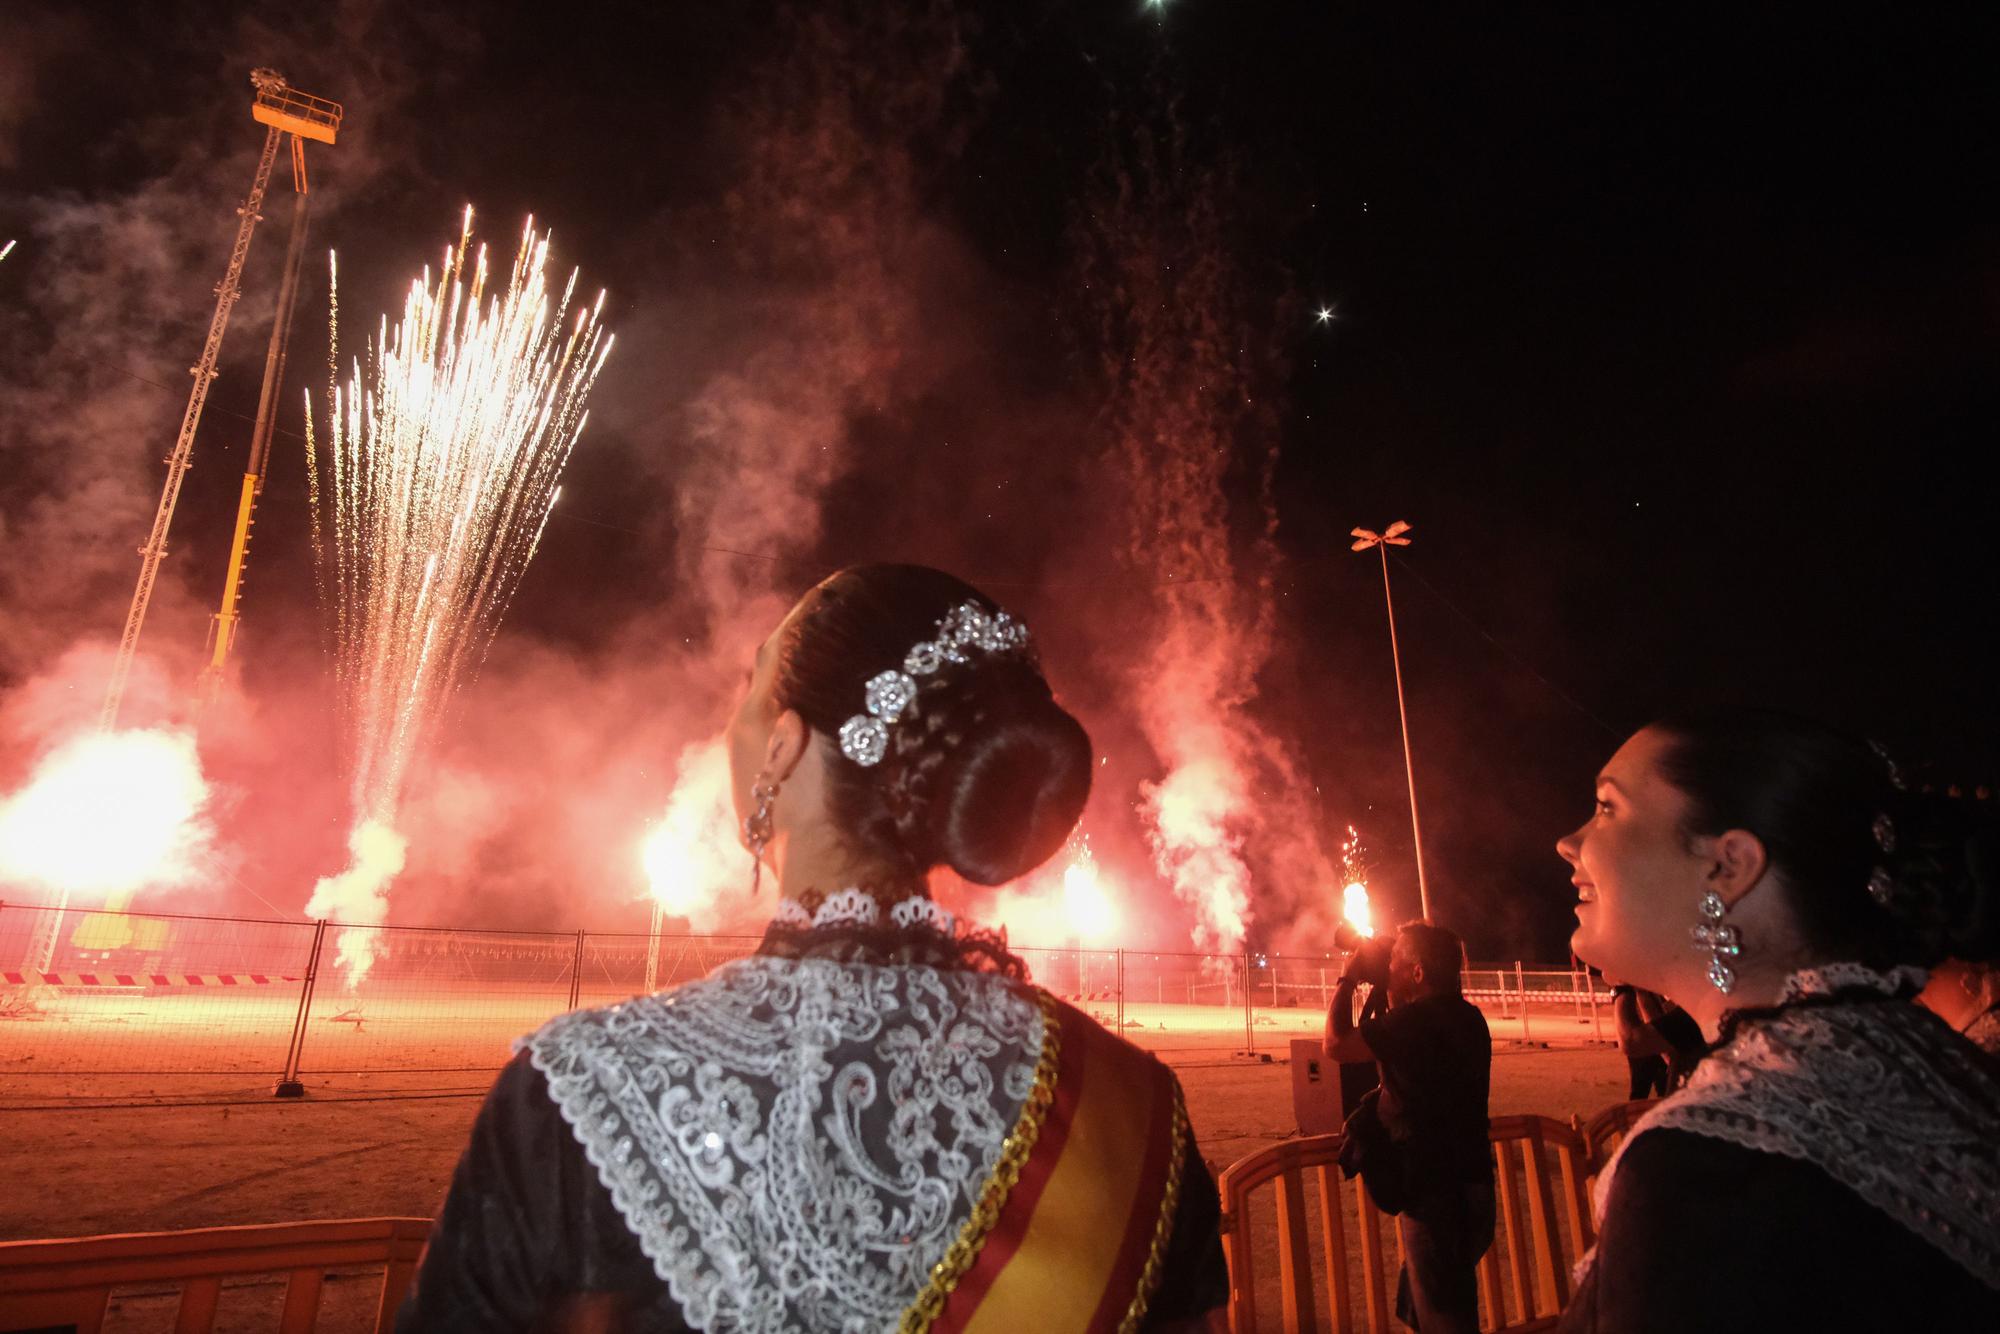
(446, 448)
(1354, 907)
(1325, 315)
(1092, 915)
(692, 858)
(107, 814)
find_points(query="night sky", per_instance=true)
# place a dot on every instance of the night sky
(1671, 332)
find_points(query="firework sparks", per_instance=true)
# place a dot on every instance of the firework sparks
(1355, 909)
(445, 449)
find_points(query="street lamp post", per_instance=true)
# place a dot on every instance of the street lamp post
(1395, 536)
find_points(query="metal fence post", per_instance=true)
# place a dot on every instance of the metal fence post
(1249, 1033)
(289, 1085)
(576, 973)
(1521, 990)
(1121, 990)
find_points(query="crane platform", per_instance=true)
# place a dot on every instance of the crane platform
(286, 108)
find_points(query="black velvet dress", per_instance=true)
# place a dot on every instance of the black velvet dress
(1703, 1235)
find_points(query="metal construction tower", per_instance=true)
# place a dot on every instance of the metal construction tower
(222, 630)
(285, 110)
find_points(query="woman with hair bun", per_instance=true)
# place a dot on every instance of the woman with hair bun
(875, 1122)
(1833, 1163)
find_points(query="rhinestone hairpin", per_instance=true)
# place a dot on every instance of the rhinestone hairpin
(962, 631)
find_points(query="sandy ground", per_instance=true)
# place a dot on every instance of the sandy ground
(92, 1154)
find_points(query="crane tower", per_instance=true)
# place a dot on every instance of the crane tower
(284, 110)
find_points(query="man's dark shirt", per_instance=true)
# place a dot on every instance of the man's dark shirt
(1437, 1061)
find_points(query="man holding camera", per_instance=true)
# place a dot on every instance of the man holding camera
(1420, 1144)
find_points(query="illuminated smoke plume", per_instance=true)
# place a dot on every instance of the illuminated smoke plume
(444, 455)
(1185, 358)
(829, 257)
(107, 814)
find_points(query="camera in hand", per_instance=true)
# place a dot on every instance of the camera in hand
(1370, 963)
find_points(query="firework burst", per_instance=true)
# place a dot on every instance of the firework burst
(444, 452)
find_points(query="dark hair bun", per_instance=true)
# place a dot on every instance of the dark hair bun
(989, 774)
(984, 772)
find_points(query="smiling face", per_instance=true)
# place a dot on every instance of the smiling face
(1637, 878)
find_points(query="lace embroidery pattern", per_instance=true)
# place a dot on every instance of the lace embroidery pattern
(797, 1142)
(847, 907)
(1880, 1096)
(856, 907)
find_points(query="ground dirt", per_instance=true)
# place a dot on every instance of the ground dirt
(89, 1154)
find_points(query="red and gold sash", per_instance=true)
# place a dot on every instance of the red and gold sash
(1072, 1227)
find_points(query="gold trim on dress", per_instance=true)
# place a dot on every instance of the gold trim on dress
(1163, 1226)
(1014, 1152)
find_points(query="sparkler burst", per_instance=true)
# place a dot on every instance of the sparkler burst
(444, 452)
(1092, 914)
(1355, 909)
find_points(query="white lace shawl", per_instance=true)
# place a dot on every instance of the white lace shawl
(795, 1143)
(1880, 1096)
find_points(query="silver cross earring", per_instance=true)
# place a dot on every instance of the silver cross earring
(1722, 941)
(757, 827)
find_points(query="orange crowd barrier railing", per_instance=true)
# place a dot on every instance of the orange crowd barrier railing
(1542, 1226)
(71, 1282)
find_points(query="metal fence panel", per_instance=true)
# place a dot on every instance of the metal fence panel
(159, 993)
(148, 993)
(434, 998)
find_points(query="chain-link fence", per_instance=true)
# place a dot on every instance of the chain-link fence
(88, 992)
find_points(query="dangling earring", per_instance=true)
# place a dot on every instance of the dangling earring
(1722, 941)
(757, 827)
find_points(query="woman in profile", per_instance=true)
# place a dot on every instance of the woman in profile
(1834, 1162)
(874, 1122)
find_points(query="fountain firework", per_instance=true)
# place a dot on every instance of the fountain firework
(445, 452)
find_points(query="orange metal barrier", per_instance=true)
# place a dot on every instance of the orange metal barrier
(71, 1282)
(1542, 1227)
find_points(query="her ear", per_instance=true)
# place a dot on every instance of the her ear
(1740, 863)
(787, 745)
